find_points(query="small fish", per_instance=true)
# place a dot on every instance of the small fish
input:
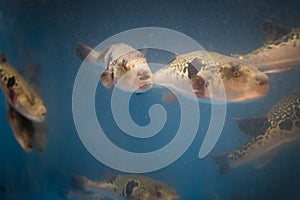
(19, 94)
(129, 187)
(28, 134)
(206, 72)
(281, 48)
(277, 129)
(123, 64)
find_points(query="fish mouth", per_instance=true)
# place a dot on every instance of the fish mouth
(145, 79)
(263, 82)
(143, 74)
(145, 85)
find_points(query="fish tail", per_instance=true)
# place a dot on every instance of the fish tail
(3, 58)
(80, 183)
(222, 161)
(82, 50)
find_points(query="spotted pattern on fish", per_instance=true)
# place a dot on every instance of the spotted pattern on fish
(133, 187)
(19, 94)
(283, 120)
(288, 39)
(212, 75)
(14, 87)
(180, 64)
(122, 63)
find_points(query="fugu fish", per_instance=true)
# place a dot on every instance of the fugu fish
(211, 74)
(129, 187)
(123, 64)
(281, 50)
(19, 94)
(28, 134)
(270, 133)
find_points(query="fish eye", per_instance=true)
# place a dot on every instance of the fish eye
(236, 73)
(124, 62)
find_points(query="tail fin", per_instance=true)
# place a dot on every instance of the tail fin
(222, 161)
(86, 53)
(80, 183)
(82, 50)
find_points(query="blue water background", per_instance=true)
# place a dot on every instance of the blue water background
(44, 33)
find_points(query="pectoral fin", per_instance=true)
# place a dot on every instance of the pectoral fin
(107, 79)
(198, 85)
(12, 95)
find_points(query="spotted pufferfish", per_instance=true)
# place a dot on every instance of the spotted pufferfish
(127, 187)
(279, 128)
(123, 65)
(213, 76)
(19, 94)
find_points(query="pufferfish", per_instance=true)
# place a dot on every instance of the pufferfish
(123, 65)
(127, 187)
(213, 76)
(276, 130)
(19, 94)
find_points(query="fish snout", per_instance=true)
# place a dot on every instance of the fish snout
(42, 111)
(143, 74)
(145, 78)
(262, 79)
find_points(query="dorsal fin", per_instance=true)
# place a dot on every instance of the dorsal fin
(194, 67)
(253, 126)
(273, 31)
(3, 58)
(191, 70)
